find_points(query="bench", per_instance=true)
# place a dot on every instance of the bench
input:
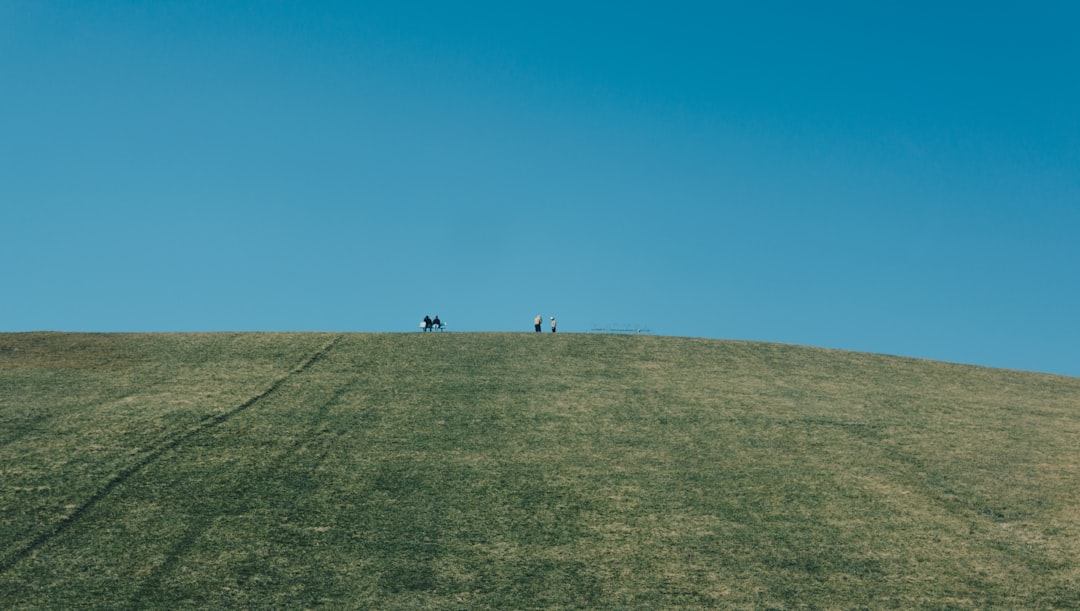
(439, 327)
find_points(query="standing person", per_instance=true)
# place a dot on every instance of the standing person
(539, 320)
(552, 324)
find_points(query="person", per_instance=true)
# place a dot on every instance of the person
(552, 324)
(437, 322)
(537, 322)
(427, 323)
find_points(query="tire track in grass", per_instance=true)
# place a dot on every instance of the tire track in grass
(153, 589)
(167, 444)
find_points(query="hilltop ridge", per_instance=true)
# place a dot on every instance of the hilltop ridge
(517, 470)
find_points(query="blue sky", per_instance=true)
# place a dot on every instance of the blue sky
(889, 177)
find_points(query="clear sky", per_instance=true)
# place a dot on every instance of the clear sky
(890, 177)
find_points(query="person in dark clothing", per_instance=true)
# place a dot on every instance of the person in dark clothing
(427, 323)
(437, 323)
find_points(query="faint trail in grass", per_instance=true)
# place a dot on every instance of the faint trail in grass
(148, 458)
(15, 432)
(153, 588)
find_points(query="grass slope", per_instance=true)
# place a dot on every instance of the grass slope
(491, 471)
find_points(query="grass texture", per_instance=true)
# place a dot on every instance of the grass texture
(527, 471)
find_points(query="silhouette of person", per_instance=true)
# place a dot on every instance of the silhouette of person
(437, 322)
(552, 324)
(427, 323)
(537, 322)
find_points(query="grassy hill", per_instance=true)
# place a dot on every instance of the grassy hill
(521, 471)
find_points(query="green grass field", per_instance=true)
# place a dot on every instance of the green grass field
(527, 471)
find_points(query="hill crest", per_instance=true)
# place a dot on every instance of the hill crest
(527, 471)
